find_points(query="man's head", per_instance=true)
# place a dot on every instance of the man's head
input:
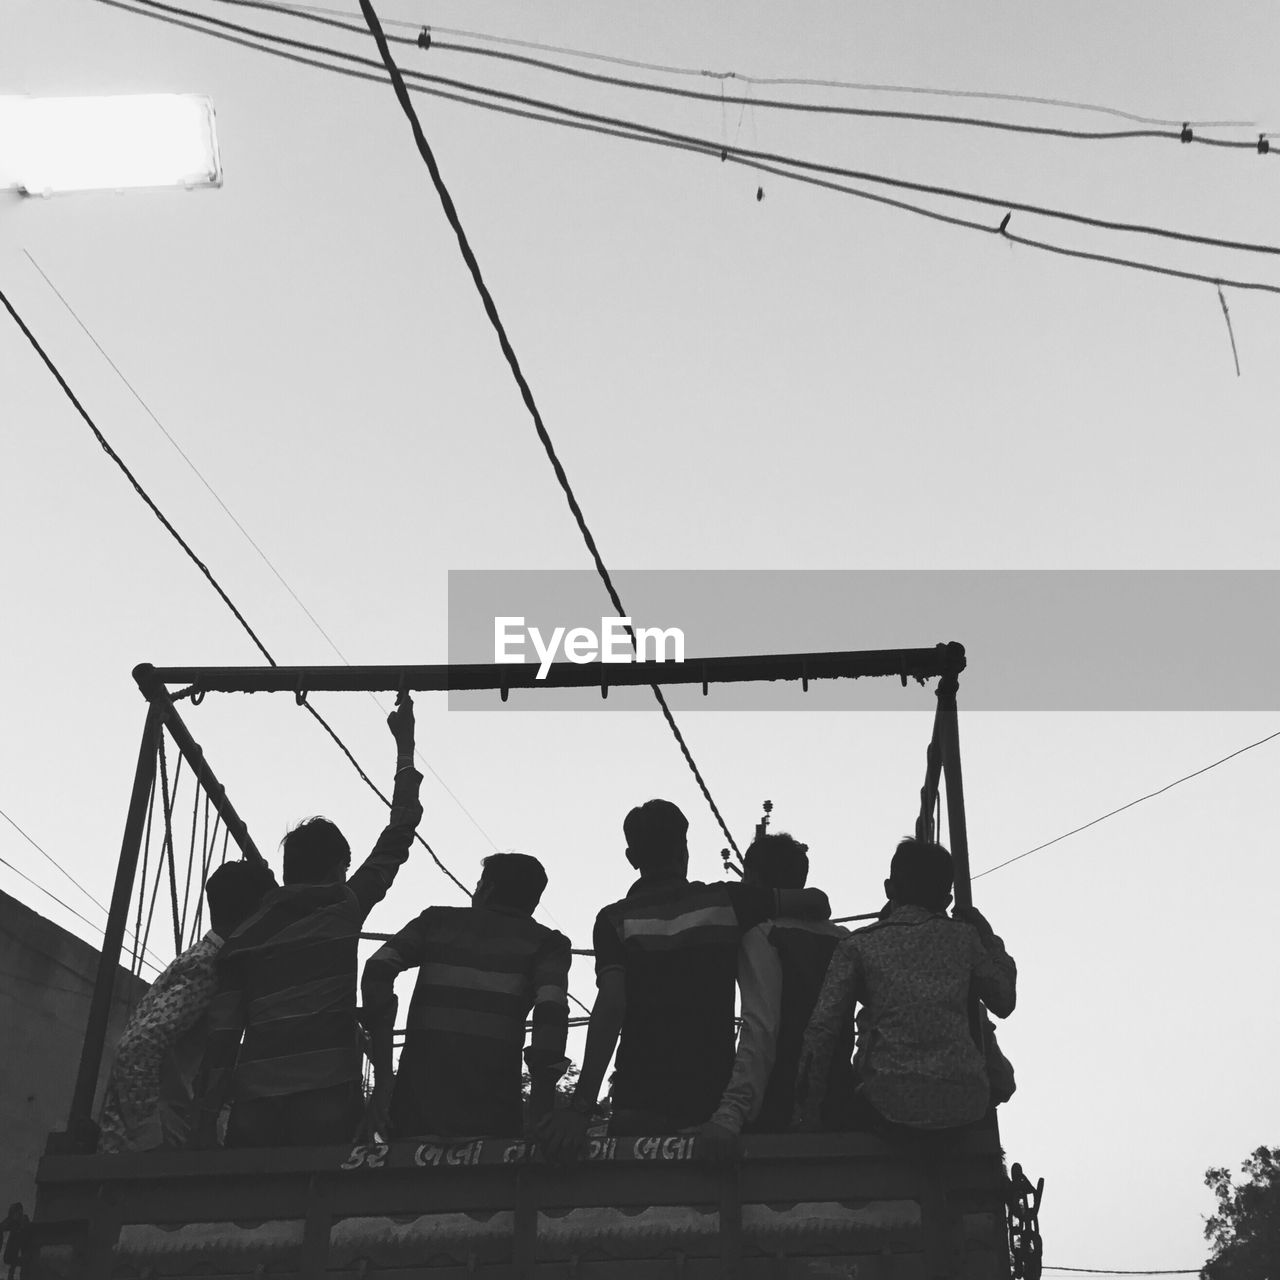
(920, 875)
(514, 881)
(315, 852)
(776, 861)
(234, 891)
(657, 839)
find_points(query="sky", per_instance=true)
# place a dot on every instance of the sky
(739, 372)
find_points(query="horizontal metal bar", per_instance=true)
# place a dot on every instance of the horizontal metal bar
(916, 664)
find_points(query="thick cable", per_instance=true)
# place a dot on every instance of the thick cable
(526, 392)
(204, 569)
(839, 171)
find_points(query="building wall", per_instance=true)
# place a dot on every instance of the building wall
(46, 981)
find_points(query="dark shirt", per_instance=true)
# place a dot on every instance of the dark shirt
(804, 949)
(677, 944)
(480, 971)
(287, 976)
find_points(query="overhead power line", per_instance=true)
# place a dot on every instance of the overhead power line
(769, 162)
(743, 77)
(526, 392)
(262, 555)
(1149, 796)
(1102, 1271)
(1180, 132)
(204, 569)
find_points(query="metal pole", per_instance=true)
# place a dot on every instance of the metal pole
(104, 985)
(193, 753)
(955, 790)
(933, 767)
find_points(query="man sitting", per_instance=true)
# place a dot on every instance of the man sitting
(287, 981)
(666, 964)
(781, 968)
(480, 970)
(918, 1065)
(136, 1113)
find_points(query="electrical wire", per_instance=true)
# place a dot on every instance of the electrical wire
(262, 555)
(1102, 1271)
(204, 569)
(1149, 796)
(644, 132)
(797, 81)
(526, 392)
(64, 905)
(1179, 132)
(44, 853)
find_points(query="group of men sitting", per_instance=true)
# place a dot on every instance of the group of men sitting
(253, 1037)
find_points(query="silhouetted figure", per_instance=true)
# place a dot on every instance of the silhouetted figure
(481, 969)
(666, 969)
(148, 1096)
(917, 1065)
(287, 982)
(17, 1224)
(781, 968)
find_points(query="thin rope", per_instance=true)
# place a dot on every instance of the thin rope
(1149, 796)
(526, 392)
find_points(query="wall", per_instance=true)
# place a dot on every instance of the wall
(46, 980)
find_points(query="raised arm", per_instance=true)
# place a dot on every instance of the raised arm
(371, 880)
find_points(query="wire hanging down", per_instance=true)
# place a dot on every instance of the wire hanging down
(526, 392)
(609, 126)
(1231, 333)
(204, 569)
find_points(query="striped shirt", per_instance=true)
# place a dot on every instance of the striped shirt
(677, 943)
(917, 1061)
(287, 976)
(480, 971)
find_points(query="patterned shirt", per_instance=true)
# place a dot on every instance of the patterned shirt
(480, 971)
(287, 976)
(176, 1001)
(677, 943)
(917, 1061)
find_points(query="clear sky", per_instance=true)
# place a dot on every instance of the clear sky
(800, 381)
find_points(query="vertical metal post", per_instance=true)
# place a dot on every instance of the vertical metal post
(104, 985)
(933, 767)
(955, 789)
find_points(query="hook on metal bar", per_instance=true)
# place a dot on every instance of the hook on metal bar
(503, 692)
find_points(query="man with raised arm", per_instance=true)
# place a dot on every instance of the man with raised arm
(481, 969)
(287, 982)
(781, 967)
(913, 972)
(666, 966)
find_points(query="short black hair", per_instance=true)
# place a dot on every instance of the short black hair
(313, 851)
(921, 873)
(777, 860)
(655, 833)
(234, 891)
(514, 880)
